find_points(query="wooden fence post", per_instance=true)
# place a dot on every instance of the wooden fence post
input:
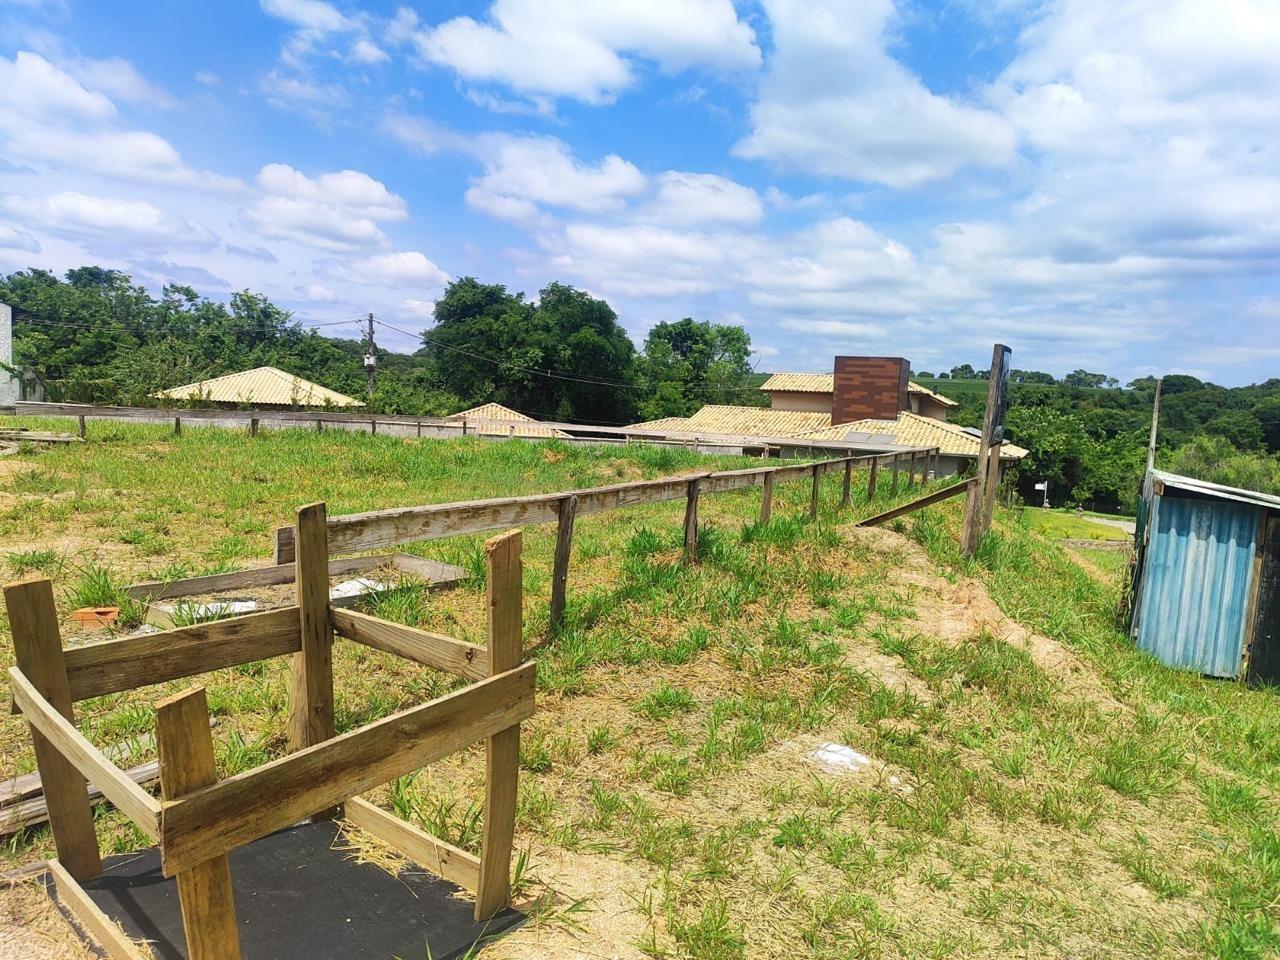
(567, 511)
(177, 426)
(373, 427)
(185, 746)
(319, 426)
(502, 757)
(766, 499)
(419, 428)
(253, 426)
(80, 427)
(871, 481)
(893, 484)
(691, 520)
(813, 494)
(848, 479)
(911, 474)
(311, 693)
(37, 647)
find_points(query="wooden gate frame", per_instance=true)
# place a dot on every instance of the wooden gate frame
(200, 819)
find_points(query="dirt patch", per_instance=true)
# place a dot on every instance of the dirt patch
(33, 928)
(955, 610)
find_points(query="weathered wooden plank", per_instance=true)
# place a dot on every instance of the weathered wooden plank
(813, 492)
(240, 579)
(766, 499)
(441, 858)
(104, 931)
(130, 662)
(871, 479)
(421, 646)
(502, 752)
(249, 805)
(848, 481)
(33, 809)
(62, 736)
(928, 500)
(186, 764)
(560, 563)
(41, 669)
(693, 490)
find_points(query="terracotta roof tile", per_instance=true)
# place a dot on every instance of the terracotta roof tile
(265, 385)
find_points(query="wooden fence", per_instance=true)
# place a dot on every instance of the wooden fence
(199, 818)
(380, 529)
(444, 427)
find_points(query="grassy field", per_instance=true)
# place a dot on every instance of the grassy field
(1065, 525)
(1032, 785)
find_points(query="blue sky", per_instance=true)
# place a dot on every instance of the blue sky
(1096, 184)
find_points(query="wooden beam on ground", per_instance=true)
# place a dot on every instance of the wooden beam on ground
(311, 689)
(62, 736)
(239, 579)
(104, 931)
(429, 649)
(41, 669)
(186, 764)
(927, 500)
(249, 805)
(441, 858)
(502, 752)
(33, 810)
(560, 565)
(131, 662)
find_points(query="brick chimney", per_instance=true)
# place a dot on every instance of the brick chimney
(869, 388)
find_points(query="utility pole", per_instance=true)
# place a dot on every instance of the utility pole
(370, 356)
(1155, 425)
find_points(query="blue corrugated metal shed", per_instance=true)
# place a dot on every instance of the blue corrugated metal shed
(1197, 574)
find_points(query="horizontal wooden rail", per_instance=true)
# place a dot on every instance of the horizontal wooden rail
(131, 662)
(378, 529)
(104, 931)
(928, 500)
(429, 649)
(216, 819)
(441, 858)
(129, 798)
(239, 579)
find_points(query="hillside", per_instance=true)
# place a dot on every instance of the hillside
(1029, 783)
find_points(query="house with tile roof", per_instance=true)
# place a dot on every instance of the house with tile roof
(814, 391)
(268, 387)
(512, 423)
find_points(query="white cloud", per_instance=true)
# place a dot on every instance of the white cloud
(524, 172)
(833, 102)
(118, 78)
(49, 118)
(688, 198)
(406, 268)
(308, 14)
(77, 214)
(418, 309)
(207, 78)
(12, 238)
(574, 49)
(334, 211)
(366, 51)
(318, 292)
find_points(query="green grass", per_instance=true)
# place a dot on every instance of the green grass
(1064, 525)
(1114, 808)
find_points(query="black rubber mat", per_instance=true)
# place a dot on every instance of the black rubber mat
(299, 898)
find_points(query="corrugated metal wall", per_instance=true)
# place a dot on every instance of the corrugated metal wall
(1196, 579)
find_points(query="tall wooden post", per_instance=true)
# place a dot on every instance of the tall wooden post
(177, 426)
(311, 700)
(871, 480)
(766, 499)
(976, 516)
(1155, 427)
(911, 472)
(848, 479)
(80, 426)
(893, 484)
(253, 426)
(185, 746)
(813, 493)
(691, 520)
(37, 648)
(502, 752)
(568, 510)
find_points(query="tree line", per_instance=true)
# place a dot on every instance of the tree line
(96, 336)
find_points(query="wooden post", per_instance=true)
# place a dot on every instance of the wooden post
(871, 481)
(373, 427)
(502, 763)
(813, 495)
(311, 700)
(975, 505)
(893, 484)
(177, 426)
(766, 500)
(37, 647)
(186, 764)
(253, 426)
(691, 520)
(464, 426)
(568, 510)
(1155, 427)
(992, 488)
(319, 426)
(80, 426)
(911, 473)
(848, 479)
(419, 428)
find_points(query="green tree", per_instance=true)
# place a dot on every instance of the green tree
(687, 364)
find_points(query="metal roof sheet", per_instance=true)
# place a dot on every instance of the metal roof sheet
(266, 385)
(1216, 490)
